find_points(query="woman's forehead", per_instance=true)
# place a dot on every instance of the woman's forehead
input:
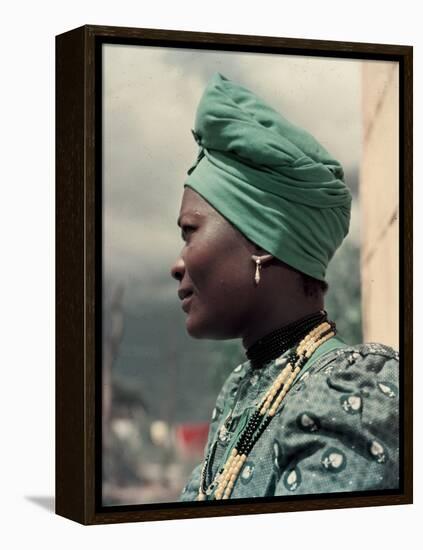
(197, 210)
(194, 205)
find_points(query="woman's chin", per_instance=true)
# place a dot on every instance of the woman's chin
(202, 329)
(194, 328)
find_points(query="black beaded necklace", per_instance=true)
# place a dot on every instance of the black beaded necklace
(276, 343)
(267, 407)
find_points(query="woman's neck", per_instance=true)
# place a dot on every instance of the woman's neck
(267, 321)
(278, 342)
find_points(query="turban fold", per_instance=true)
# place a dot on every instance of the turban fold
(269, 178)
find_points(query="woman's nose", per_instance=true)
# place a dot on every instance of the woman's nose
(178, 269)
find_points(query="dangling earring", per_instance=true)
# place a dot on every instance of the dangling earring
(259, 262)
(258, 269)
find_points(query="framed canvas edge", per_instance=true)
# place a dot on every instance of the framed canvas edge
(76, 228)
(70, 276)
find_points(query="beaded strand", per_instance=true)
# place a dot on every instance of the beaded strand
(266, 409)
(277, 342)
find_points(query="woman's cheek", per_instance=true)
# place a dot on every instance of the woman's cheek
(197, 264)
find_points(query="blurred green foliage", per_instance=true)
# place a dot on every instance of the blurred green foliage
(343, 299)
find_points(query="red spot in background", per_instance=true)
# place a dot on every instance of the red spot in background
(191, 438)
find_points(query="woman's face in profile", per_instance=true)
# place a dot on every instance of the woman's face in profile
(215, 271)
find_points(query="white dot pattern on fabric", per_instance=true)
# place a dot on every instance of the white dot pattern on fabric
(247, 471)
(276, 453)
(351, 403)
(292, 479)
(223, 434)
(377, 451)
(308, 422)
(386, 390)
(333, 460)
(254, 379)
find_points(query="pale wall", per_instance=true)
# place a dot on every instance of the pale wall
(379, 203)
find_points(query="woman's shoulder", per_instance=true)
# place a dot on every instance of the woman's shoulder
(353, 369)
(370, 348)
(339, 422)
(371, 355)
(358, 362)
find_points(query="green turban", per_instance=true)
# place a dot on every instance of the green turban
(272, 180)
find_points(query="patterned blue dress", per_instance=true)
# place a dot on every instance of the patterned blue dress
(336, 430)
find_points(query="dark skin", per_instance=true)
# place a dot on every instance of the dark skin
(215, 270)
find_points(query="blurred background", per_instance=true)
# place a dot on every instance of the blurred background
(159, 385)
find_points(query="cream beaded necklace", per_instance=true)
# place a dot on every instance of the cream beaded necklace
(224, 481)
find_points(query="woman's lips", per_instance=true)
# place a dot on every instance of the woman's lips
(185, 294)
(186, 302)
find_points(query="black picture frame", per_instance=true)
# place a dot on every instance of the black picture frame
(78, 270)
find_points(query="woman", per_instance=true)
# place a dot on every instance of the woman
(264, 209)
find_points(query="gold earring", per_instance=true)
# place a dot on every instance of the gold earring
(258, 268)
(259, 262)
